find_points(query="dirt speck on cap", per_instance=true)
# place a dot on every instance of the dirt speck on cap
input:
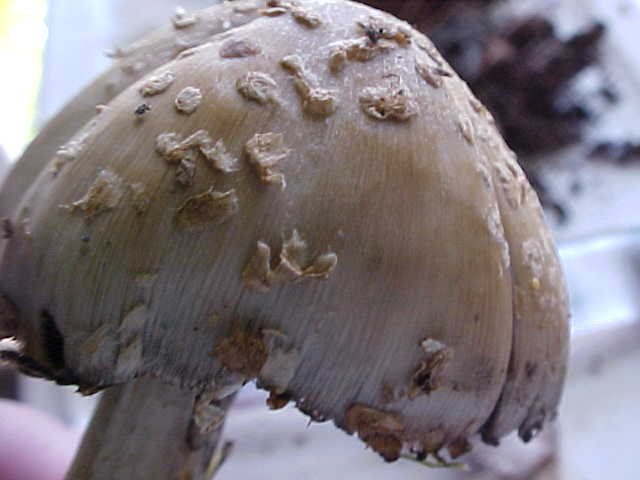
(141, 110)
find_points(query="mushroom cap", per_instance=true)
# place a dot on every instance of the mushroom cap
(314, 200)
(130, 64)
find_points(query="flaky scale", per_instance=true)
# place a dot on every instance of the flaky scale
(539, 356)
(413, 228)
(129, 66)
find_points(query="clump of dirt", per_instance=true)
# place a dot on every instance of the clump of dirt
(522, 70)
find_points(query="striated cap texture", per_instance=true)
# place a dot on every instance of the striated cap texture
(313, 200)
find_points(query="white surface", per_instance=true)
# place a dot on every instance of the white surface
(599, 414)
(603, 273)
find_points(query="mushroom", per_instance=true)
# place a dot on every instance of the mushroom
(179, 37)
(333, 215)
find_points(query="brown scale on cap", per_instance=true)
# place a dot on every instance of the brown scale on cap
(379, 36)
(428, 377)
(174, 149)
(388, 394)
(260, 276)
(278, 401)
(153, 52)
(315, 100)
(188, 100)
(141, 199)
(259, 87)
(356, 50)
(382, 431)
(186, 172)
(104, 194)
(217, 157)
(466, 129)
(433, 75)
(265, 151)
(301, 14)
(430, 231)
(376, 27)
(239, 48)
(242, 353)
(389, 100)
(68, 152)
(459, 448)
(305, 16)
(157, 84)
(273, 11)
(208, 208)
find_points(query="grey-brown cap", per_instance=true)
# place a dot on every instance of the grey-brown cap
(334, 215)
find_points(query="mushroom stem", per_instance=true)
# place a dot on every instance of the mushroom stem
(148, 429)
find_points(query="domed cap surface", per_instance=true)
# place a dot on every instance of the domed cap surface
(313, 200)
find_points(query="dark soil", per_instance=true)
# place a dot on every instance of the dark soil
(523, 71)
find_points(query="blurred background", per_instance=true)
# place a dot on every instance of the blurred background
(562, 78)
